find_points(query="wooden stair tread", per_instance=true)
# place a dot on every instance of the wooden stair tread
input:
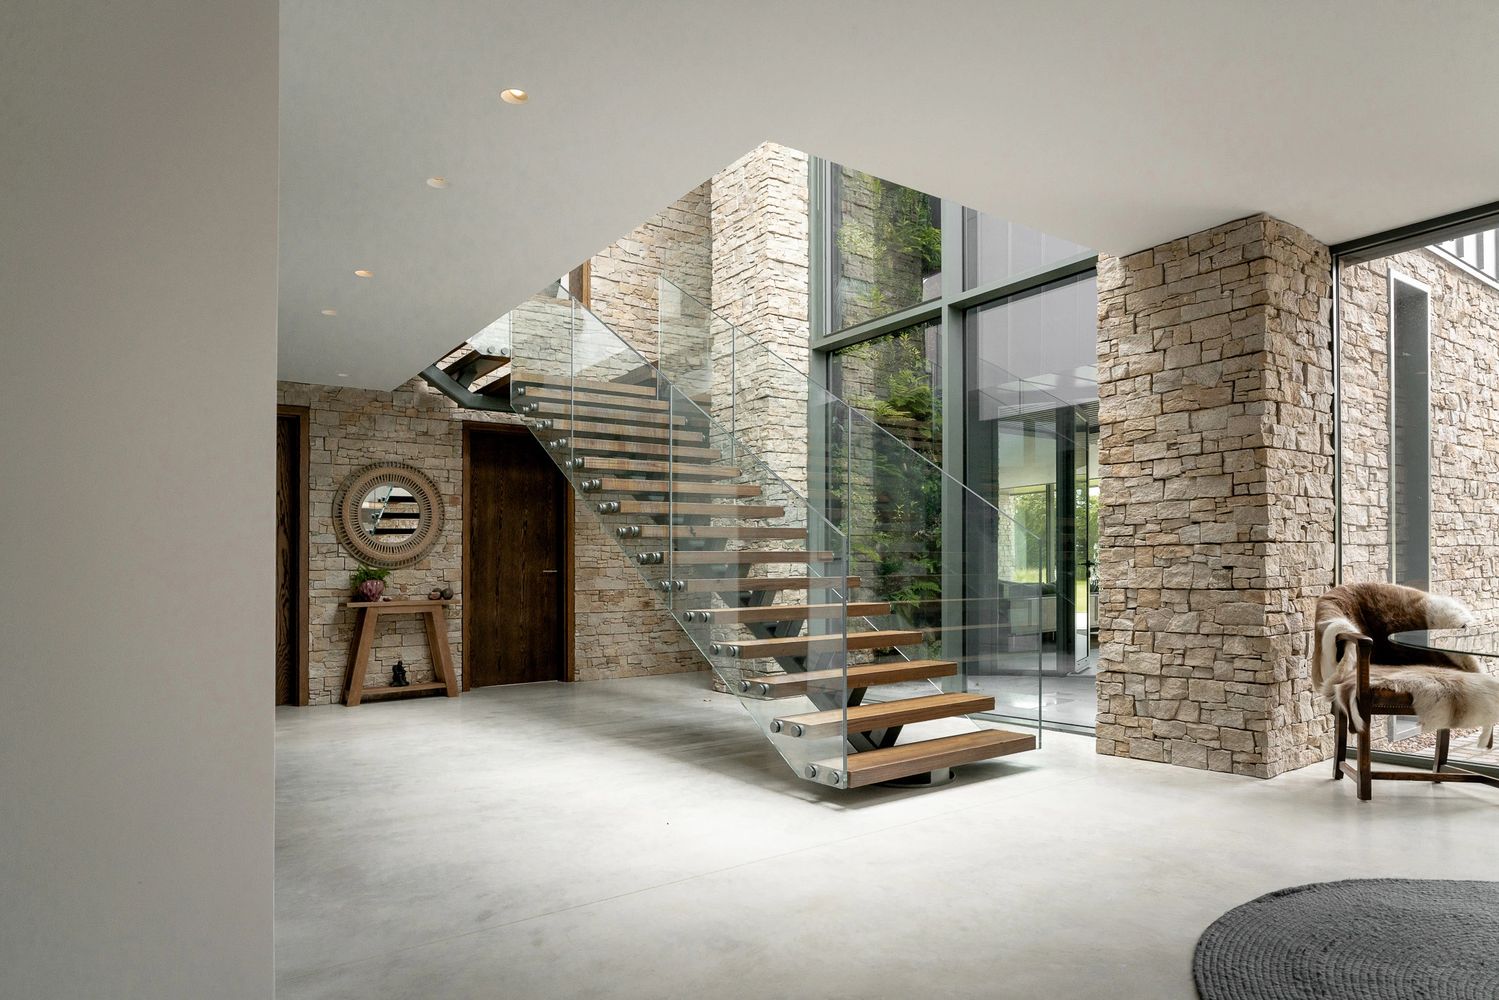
(622, 484)
(594, 463)
(676, 451)
(743, 583)
(889, 763)
(498, 386)
(756, 532)
(542, 394)
(750, 510)
(545, 408)
(883, 715)
(772, 557)
(474, 365)
(646, 388)
(793, 612)
(796, 645)
(647, 374)
(554, 426)
(859, 676)
(529, 379)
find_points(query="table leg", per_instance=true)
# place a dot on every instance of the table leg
(442, 655)
(359, 657)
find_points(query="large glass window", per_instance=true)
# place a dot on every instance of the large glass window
(1000, 394)
(897, 381)
(1037, 347)
(1032, 450)
(886, 247)
(996, 249)
(1418, 354)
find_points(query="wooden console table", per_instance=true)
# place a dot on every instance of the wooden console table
(444, 677)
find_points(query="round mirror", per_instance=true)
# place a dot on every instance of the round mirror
(388, 515)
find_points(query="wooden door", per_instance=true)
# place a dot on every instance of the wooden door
(290, 558)
(515, 561)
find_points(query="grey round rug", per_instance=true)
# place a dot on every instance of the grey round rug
(1363, 939)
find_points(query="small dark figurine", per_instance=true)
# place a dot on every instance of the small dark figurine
(398, 675)
(447, 593)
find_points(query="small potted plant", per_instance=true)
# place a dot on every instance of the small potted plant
(369, 583)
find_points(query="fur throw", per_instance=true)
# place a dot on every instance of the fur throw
(1449, 690)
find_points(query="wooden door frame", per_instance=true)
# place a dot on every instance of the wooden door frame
(568, 618)
(303, 416)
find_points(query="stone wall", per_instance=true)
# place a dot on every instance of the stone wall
(677, 243)
(1464, 423)
(622, 629)
(1216, 497)
(760, 259)
(738, 243)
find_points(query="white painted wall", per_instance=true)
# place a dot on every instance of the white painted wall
(137, 367)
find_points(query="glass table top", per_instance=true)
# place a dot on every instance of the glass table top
(1477, 641)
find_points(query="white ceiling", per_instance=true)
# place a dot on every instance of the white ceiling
(1117, 125)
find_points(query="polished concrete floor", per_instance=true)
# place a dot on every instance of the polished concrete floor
(1033, 683)
(1068, 700)
(637, 838)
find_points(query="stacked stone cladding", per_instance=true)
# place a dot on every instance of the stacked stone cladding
(622, 629)
(760, 260)
(676, 243)
(1216, 497)
(739, 243)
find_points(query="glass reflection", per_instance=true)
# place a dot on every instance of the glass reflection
(1418, 358)
(887, 247)
(996, 249)
(1032, 449)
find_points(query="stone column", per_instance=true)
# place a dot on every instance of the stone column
(760, 247)
(1215, 387)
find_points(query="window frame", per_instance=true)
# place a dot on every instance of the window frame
(949, 311)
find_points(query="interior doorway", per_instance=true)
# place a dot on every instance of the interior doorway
(291, 555)
(1042, 466)
(517, 560)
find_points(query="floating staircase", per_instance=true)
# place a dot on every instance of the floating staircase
(769, 590)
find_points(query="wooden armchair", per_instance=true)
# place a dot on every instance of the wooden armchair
(1387, 677)
(1374, 701)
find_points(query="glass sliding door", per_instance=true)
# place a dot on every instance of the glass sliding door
(1031, 442)
(1418, 461)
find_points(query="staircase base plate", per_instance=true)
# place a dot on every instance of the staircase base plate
(927, 779)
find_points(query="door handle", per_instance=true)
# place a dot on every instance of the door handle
(549, 571)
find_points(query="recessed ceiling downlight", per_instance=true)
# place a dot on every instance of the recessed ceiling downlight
(362, 273)
(330, 312)
(514, 96)
(343, 374)
(437, 182)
